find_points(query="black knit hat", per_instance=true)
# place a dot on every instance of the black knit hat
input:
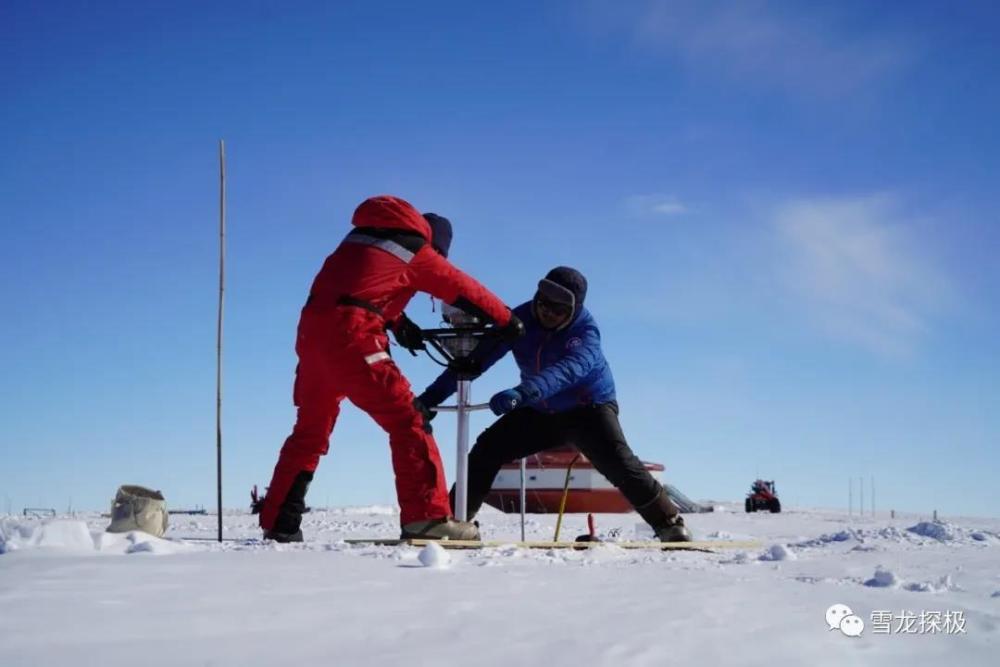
(572, 280)
(566, 286)
(440, 232)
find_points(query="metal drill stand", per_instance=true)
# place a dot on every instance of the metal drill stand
(456, 344)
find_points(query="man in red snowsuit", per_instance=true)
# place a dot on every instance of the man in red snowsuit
(343, 353)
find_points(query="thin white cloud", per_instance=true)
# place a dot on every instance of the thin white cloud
(656, 205)
(858, 271)
(805, 48)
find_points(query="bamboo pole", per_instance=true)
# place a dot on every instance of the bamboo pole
(562, 502)
(218, 336)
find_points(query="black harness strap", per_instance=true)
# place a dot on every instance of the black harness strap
(359, 303)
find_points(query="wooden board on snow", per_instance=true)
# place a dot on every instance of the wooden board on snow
(704, 545)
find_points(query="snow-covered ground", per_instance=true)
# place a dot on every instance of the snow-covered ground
(927, 594)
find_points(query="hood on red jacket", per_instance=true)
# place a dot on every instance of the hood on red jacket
(388, 212)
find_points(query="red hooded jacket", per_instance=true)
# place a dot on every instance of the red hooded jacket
(385, 260)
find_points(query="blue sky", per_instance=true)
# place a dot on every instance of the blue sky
(787, 213)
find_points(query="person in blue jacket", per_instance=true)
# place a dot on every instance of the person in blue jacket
(566, 395)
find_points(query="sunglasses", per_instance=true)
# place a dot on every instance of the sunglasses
(553, 307)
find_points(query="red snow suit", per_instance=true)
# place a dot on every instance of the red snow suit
(343, 353)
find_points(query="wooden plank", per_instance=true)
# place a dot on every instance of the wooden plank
(476, 544)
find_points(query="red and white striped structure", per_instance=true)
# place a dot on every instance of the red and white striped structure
(545, 478)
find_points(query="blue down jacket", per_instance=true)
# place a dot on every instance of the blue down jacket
(560, 370)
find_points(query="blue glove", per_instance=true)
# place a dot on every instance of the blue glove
(505, 401)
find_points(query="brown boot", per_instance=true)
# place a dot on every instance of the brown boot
(664, 518)
(440, 529)
(676, 531)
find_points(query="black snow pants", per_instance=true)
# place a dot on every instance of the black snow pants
(592, 429)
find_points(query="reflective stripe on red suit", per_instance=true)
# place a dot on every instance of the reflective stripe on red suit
(343, 352)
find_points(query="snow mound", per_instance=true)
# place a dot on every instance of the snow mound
(434, 556)
(841, 536)
(938, 530)
(71, 536)
(890, 533)
(60, 534)
(919, 534)
(868, 539)
(984, 536)
(832, 538)
(942, 585)
(137, 542)
(778, 552)
(996, 594)
(11, 534)
(860, 535)
(883, 579)
(942, 531)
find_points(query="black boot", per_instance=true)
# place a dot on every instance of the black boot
(665, 519)
(286, 526)
(283, 537)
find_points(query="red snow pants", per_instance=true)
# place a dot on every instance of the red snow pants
(343, 354)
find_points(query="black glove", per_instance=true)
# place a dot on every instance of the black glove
(422, 407)
(512, 330)
(408, 334)
(426, 413)
(506, 401)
